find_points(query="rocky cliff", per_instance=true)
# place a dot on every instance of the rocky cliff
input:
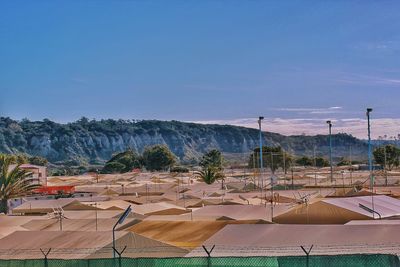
(95, 141)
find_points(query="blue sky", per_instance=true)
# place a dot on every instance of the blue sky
(221, 61)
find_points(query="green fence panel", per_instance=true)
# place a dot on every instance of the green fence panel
(298, 261)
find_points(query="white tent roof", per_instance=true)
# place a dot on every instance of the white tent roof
(384, 205)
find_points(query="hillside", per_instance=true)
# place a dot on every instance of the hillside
(94, 141)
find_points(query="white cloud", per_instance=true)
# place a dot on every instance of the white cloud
(355, 126)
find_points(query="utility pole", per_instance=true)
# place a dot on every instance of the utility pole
(330, 148)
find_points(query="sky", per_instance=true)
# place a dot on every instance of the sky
(297, 63)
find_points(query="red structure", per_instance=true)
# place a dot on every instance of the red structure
(54, 190)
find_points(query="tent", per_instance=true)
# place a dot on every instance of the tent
(185, 234)
(341, 210)
(286, 240)
(81, 244)
(46, 206)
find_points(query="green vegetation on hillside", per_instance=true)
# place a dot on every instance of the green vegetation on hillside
(123, 162)
(272, 158)
(158, 157)
(388, 155)
(93, 142)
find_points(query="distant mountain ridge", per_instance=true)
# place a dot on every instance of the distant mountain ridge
(95, 141)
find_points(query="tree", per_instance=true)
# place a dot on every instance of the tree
(390, 152)
(158, 157)
(305, 161)
(273, 158)
(123, 162)
(18, 159)
(209, 175)
(36, 160)
(14, 182)
(213, 159)
(321, 162)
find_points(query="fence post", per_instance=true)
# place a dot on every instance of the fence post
(307, 254)
(119, 255)
(45, 254)
(208, 254)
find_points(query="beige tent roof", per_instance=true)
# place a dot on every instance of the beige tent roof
(78, 224)
(162, 208)
(10, 224)
(46, 206)
(91, 214)
(275, 240)
(319, 212)
(384, 205)
(374, 222)
(111, 204)
(237, 212)
(109, 192)
(81, 244)
(11, 220)
(185, 234)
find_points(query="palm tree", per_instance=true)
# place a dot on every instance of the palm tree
(210, 175)
(14, 182)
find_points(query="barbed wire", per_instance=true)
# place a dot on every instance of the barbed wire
(197, 251)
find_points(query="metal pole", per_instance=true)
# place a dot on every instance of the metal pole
(315, 168)
(351, 168)
(113, 234)
(330, 148)
(272, 187)
(369, 110)
(261, 154)
(385, 170)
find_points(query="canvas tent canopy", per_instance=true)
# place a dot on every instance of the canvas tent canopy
(47, 206)
(186, 234)
(81, 244)
(285, 240)
(341, 210)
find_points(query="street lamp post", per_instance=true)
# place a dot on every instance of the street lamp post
(330, 148)
(371, 176)
(261, 154)
(369, 110)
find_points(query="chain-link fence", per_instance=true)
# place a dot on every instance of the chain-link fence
(303, 261)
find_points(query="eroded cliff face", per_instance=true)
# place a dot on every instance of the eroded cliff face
(98, 140)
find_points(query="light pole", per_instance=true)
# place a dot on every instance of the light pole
(371, 176)
(330, 148)
(261, 154)
(369, 110)
(120, 221)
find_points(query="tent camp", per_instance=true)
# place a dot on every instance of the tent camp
(81, 244)
(341, 210)
(285, 240)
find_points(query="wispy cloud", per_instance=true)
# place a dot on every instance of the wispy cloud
(355, 126)
(329, 110)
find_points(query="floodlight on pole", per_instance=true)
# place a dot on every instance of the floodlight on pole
(330, 148)
(261, 153)
(120, 221)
